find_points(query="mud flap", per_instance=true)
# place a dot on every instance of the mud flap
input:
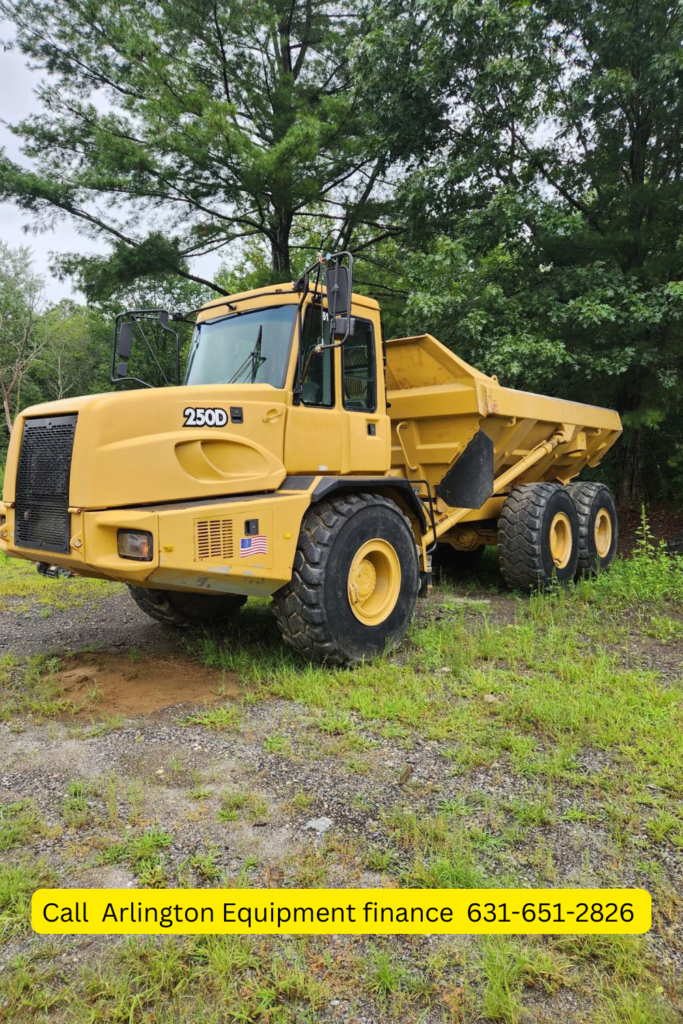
(469, 482)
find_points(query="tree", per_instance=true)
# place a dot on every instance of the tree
(77, 357)
(22, 337)
(545, 196)
(177, 129)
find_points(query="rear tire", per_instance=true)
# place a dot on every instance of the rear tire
(184, 608)
(598, 526)
(355, 581)
(538, 536)
(452, 563)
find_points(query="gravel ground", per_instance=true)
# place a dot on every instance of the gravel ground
(114, 623)
(323, 802)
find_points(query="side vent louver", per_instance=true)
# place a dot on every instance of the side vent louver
(213, 540)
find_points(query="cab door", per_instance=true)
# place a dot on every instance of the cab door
(366, 426)
(313, 434)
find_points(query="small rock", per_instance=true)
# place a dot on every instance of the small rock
(319, 825)
(490, 698)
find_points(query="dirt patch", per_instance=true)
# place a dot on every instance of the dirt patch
(120, 686)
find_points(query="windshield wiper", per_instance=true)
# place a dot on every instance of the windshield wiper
(254, 357)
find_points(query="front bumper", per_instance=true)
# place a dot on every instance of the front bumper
(210, 545)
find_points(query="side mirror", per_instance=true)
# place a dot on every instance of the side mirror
(125, 348)
(149, 322)
(338, 292)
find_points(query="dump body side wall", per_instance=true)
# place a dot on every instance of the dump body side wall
(438, 405)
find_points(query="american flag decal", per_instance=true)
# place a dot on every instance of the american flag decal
(253, 546)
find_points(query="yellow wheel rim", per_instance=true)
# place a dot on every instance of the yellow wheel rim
(561, 541)
(374, 582)
(603, 533)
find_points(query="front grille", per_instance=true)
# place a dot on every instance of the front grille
(42, 493)
(213, 539)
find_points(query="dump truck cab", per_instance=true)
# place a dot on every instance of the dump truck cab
(332, 421)
(303, 457)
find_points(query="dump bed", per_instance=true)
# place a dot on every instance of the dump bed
(440, 407)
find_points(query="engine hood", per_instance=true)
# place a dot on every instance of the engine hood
(169, 444)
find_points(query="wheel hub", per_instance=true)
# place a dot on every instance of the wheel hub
(374, 582)
(561, 540)
(603, 533)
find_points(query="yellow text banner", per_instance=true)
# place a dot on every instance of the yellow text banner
(341, 911)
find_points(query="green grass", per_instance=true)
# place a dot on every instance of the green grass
(31, 688)
(143, 853)
(384, 975)
(531, 813)
(556, 724)
(18, 882)
(509, 966)
(277, 744)
(21, 587)
(19, 824)
(556, 673)
(251, 806)
(197, 979)
(627, 1005)
(217, 718)
(440, 853)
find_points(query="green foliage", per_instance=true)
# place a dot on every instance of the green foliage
(224, 123)
(46, 351)
(544, 208)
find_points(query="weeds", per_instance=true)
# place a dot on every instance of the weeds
(75, 809)
(253, 805)
(217, 718)
(277, 744)
(18, 882)
(143, 853)
(21, 586)
(19, 824)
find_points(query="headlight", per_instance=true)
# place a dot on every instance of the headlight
(135, 544)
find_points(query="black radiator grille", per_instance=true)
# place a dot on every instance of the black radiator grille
(42, 494)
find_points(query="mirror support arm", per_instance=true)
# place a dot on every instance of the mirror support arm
(137, 315)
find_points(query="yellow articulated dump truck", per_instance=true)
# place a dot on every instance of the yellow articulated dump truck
(303, 457)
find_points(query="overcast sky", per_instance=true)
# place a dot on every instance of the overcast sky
(17, 99)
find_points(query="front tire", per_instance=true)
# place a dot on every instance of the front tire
(538, 536)
(183, 608)
(355, 581)
(598, 526)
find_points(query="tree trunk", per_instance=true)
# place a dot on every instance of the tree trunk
(8, 414)
(279, 247)
(632, 476)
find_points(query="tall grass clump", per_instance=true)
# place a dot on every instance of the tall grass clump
(651, 574)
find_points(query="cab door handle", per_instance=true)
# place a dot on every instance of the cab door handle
(274, 414)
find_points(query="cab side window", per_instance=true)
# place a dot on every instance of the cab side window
(360, 372)
(317, 386)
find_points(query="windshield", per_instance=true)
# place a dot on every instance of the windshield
(247, 348)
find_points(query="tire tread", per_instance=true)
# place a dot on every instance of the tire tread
(299, 606)
(519, 535)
